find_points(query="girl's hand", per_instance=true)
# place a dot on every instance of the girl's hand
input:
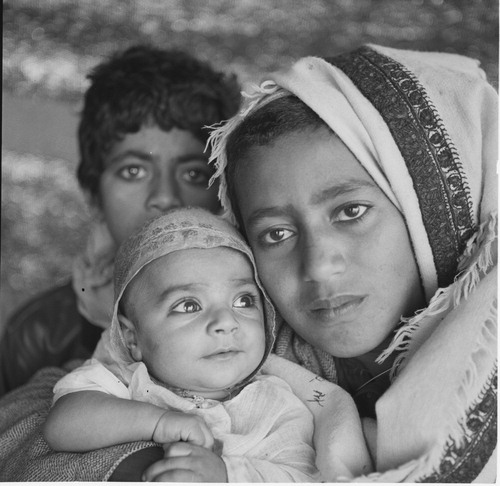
(180, 426)
(185, 462)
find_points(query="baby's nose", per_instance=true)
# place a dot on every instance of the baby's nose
(223, 321)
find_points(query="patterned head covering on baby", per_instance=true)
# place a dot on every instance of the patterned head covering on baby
(179, 229)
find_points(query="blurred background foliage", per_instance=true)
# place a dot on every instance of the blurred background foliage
(50, 45)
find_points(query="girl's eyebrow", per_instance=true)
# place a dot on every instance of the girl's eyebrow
(339, 190)
(269, 212)
(316, 199)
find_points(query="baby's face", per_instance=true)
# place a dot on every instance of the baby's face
(199, 319)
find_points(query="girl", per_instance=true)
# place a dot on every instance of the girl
(366, 187)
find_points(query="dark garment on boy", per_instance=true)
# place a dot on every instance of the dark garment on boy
(47, 331)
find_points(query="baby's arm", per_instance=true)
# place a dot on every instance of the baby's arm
(88, 420)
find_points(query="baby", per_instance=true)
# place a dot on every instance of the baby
(181, 365)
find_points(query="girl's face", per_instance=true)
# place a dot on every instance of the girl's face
(149, 172)
(199, 320)
(331, 249)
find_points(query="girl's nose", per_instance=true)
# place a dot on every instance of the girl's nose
(322, 258)
(222, 321)
(163, 194)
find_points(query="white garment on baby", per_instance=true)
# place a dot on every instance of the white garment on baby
(266, 432)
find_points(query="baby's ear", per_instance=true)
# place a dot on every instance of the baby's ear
(130, 337)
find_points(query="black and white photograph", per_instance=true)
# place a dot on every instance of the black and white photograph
(249, 241)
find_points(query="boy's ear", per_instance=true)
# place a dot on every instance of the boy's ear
(130, 337)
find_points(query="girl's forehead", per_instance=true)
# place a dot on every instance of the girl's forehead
(302, 165)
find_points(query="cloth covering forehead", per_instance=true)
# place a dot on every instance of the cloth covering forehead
(423, 125)
(179, 229)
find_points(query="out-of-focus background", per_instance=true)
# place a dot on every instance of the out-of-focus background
(50, 45)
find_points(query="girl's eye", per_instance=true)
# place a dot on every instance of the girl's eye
(245, 301)
(196, 176)
(132, 172)
(277, 235)
(187, 307)
(352, 212)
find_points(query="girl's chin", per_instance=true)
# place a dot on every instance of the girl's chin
(344, 350)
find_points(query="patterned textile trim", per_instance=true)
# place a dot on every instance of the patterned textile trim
(463, 463)
(431, 159)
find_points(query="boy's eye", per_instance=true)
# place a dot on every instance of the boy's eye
(351, 212)
(244, 301)
(196, 176)
(131, 172)
(187, 307)
(277, 235)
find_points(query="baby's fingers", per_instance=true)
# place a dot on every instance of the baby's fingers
(170, 470)
(179, 426)
(199, 434)
(180, 457)
(174, 476)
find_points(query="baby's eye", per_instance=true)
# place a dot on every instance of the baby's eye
(277, 235)
(351, 212)
(132, 172)
(245, 301)
(187, 307)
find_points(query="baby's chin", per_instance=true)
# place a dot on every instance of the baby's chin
(223, 391)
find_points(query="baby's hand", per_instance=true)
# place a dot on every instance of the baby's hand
(187, 463)
(180, 426)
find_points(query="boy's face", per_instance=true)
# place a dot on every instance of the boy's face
(331, 249)
(199, 319)
(149, 172)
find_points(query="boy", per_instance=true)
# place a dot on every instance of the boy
(191, 329)
(141, 141)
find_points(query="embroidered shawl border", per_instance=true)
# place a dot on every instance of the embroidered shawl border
(432, 161)
(462, 463)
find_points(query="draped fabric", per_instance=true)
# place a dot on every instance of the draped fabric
(424, 126)
(265, 432)
(24, 454)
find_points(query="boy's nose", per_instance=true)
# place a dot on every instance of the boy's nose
(222, 321)
(163, 194)
(322, 258)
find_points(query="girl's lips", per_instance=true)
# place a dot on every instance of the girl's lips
(331, 307)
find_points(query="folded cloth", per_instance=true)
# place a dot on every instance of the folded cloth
(24, 454)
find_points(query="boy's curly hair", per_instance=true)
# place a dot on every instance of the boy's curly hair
(145, 85)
